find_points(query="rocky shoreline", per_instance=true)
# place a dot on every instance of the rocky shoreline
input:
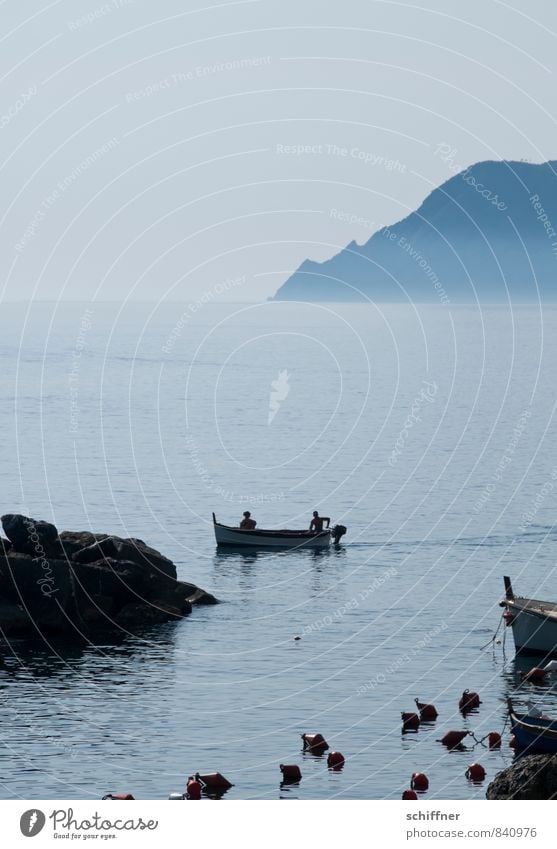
(76, 582)
(530, 777)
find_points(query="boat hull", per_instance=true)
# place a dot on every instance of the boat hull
(235, 537)
(536, 735)
(533, 633)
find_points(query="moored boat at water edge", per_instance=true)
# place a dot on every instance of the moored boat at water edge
(536, 734)
(280, 539)
(533, 622)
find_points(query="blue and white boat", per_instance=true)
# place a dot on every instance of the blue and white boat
(537, 734)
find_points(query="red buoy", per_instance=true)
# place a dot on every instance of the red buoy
(335, 760)
(419, 782)
(469, 701)
(475, 772)
(193, 789)
(536, 674)
(453, 738)
(509, 617)
(315, 743)
(410, 721)
(494, 740)
(291, 773)
(428, 713)
(409, 794)
(119, 796)
(213, 782)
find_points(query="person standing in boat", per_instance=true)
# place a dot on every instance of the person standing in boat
(247, 523)
(316, 524)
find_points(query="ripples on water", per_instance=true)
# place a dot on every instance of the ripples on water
(400, 611)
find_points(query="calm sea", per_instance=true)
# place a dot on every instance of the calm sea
(428, 431)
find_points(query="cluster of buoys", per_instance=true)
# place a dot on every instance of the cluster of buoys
(313, 744)
(468, 702)
(211, 784)
(215, 785)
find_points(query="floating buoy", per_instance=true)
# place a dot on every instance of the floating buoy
(512, 742)
(193, 788)
(428, 713)
(410, 721)
(419, 781)
(314, 743)
(453, 738)
(469, 701)
(508, 617)
(409, 794)
(475, 772)
(177, 796)
(291, 773)
(535, 674)
(119, 796)
(494, 740)
(213, 782)
(335, 760)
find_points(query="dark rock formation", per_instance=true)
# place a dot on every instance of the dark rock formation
(79, 581)
(530, 777)
(487, 233)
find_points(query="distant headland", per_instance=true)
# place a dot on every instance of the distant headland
(489, 233)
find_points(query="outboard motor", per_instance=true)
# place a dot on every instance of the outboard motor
(338, 532)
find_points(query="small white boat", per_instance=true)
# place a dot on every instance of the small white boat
(533, 622)
(279, 539)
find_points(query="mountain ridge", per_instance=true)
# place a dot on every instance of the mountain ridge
(488, 231)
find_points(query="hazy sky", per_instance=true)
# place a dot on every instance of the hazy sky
(157, 150)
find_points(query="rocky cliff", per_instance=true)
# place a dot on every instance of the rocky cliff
(76, 582)
(530, 777)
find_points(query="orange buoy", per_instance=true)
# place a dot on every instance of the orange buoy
(452, 739)
(119, 796)
(409, 794)
(419, 781)
(314, 743)
(335, 760)
(475, 772)
(535, 674)
(213, 782)
(193, 788)
(494, 740)
(428, 713)
(469, 701)
(291, 773)
(410, 721)
(512, 742)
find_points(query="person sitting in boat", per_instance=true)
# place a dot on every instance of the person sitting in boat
(316, 524)
(247, 523)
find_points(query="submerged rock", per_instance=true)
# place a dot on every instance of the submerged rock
(79, 581)
(530, 777)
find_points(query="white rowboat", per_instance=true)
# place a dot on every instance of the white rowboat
(533, 622)
(279, 539)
